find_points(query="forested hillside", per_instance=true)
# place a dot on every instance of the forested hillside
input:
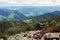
(13, 27)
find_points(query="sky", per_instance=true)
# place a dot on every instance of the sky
(29, 2)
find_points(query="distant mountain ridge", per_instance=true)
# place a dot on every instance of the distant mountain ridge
(6, 15)
(49, 15)
(45, 16)
(25, 13)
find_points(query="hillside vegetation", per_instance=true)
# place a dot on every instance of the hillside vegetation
(14, 27)
(52, 24)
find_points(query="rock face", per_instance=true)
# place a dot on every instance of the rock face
(1, 39)
(32, 35)
(23, 36)
(51, 36)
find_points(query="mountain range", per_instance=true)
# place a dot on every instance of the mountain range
(22, 13)
(44, 17)
(8, 15)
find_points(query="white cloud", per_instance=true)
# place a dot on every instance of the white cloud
(29, 2)
(30, 14)
(11, 16)
(27, 15)
(2, 17)
(7, 1)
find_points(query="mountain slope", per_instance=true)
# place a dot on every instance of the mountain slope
(46, 16)
(12, 24)
(6, 15)
(21, 13)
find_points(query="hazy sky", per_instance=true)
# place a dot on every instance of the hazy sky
(29, 2)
